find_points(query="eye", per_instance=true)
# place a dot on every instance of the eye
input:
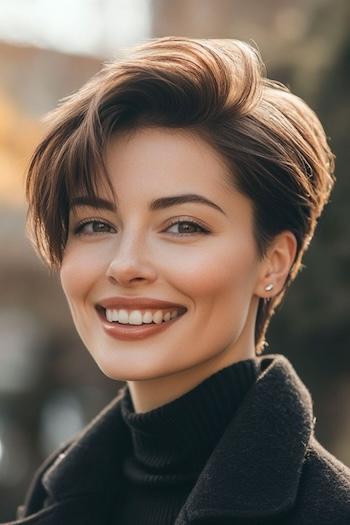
(188, 227)
(94, 226)
(82, 229)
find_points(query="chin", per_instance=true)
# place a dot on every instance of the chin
(121, 367)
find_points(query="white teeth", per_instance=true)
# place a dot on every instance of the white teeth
(112, 315)
(147, 317)
(136, 317)
(158, 317)
(123, 316)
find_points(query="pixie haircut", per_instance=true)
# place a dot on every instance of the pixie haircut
(273, 144)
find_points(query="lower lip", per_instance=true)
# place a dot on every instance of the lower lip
(128, 332)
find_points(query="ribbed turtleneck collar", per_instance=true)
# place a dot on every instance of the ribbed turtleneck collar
(173, 442)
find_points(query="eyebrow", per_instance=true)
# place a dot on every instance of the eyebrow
(156, 204)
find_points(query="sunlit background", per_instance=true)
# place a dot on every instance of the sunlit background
(49, 385)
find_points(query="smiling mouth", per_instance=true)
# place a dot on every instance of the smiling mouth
(102, 314)
(134, 332)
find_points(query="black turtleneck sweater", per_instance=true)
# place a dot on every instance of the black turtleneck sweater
(172, 443)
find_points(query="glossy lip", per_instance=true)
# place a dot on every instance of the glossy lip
(133, 332)
(137, 303)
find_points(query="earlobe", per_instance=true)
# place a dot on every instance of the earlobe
(277, 264)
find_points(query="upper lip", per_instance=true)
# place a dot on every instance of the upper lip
(137, 303)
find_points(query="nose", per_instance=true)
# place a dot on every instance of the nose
(129, 262)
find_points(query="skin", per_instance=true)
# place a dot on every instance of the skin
(217, 276)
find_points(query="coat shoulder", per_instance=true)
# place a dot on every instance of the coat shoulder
(35, 495)
(324, 490)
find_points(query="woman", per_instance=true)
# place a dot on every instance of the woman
(176, 193)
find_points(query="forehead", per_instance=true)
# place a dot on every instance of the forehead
(149, 157)
(160, 167)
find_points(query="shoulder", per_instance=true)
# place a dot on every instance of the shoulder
(324, 489)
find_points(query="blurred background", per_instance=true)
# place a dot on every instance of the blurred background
(49, 384)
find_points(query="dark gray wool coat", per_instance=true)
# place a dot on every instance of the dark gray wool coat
(267, 468)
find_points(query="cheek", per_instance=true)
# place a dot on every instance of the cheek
(217, 268)
(78, 272)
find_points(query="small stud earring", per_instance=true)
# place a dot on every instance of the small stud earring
(269, 287)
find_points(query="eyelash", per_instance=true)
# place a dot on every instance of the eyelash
(78, 230)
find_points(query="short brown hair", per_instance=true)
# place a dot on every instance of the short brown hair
(271, 140)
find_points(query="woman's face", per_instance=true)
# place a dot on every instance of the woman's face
(211, 269)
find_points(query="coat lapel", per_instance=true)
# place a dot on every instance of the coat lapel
(253, 472)
(255, 469)
(92, 463)
(81, 478)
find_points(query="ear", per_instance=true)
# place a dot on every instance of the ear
(276, 264)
